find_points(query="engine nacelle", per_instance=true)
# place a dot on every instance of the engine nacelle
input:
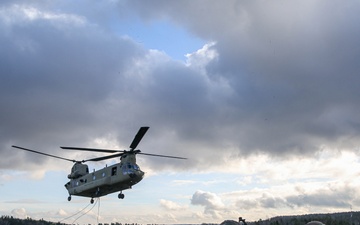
(78, 170)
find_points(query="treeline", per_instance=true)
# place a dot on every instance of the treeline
(345, 218)
(9, 220)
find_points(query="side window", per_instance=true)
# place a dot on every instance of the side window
(113, 171)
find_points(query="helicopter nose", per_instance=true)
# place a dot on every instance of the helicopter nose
(138, 175)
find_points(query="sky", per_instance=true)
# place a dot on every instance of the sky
(262, 97)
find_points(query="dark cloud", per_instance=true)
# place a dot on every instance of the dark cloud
(57, 72)
(291, 66)
(280, 78)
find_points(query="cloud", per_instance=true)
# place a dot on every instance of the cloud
(206, 199)
(271, 202)
(304, 196)
(202, 57)
(211, 202)
(19, 213)
(60, 80)
(334, 195)
(288, 69)
(62, 213)
(276, 80)
(170, 205)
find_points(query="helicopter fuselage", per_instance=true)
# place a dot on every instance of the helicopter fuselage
(118, 177)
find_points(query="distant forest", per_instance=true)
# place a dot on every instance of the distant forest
(344, 218)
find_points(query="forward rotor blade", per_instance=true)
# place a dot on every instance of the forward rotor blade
(41, 153)
(92, 149)
(140, 134)
(104, 157)
(165, 156)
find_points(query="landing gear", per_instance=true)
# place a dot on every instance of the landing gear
(121, 196)
(92, 201)
(69, 198)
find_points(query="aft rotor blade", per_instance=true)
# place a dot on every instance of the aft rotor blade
(140, 134)
(92, 149)
(104, 157)
(165, 156)
(41, 153)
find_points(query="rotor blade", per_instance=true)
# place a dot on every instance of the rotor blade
(41, 153)
(165, 156)
(103, 157)
(140, 134)
(92, 149)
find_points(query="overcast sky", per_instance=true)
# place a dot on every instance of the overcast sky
(263, 98)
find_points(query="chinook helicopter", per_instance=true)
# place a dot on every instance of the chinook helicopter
(114, 178)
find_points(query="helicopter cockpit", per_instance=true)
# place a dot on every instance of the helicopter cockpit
(129, 168)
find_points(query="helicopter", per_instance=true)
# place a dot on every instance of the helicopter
(110, 179)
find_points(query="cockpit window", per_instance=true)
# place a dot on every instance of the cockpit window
(136, 167)
(129, 168)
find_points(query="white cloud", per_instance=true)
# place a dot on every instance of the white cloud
(211, 202)
(62, 213)
(202, 57)
(19, 213)
(170, 205)
(23, 13)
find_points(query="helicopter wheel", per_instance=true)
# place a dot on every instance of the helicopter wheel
(92, 201)
(69, 198)
(121, 196)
